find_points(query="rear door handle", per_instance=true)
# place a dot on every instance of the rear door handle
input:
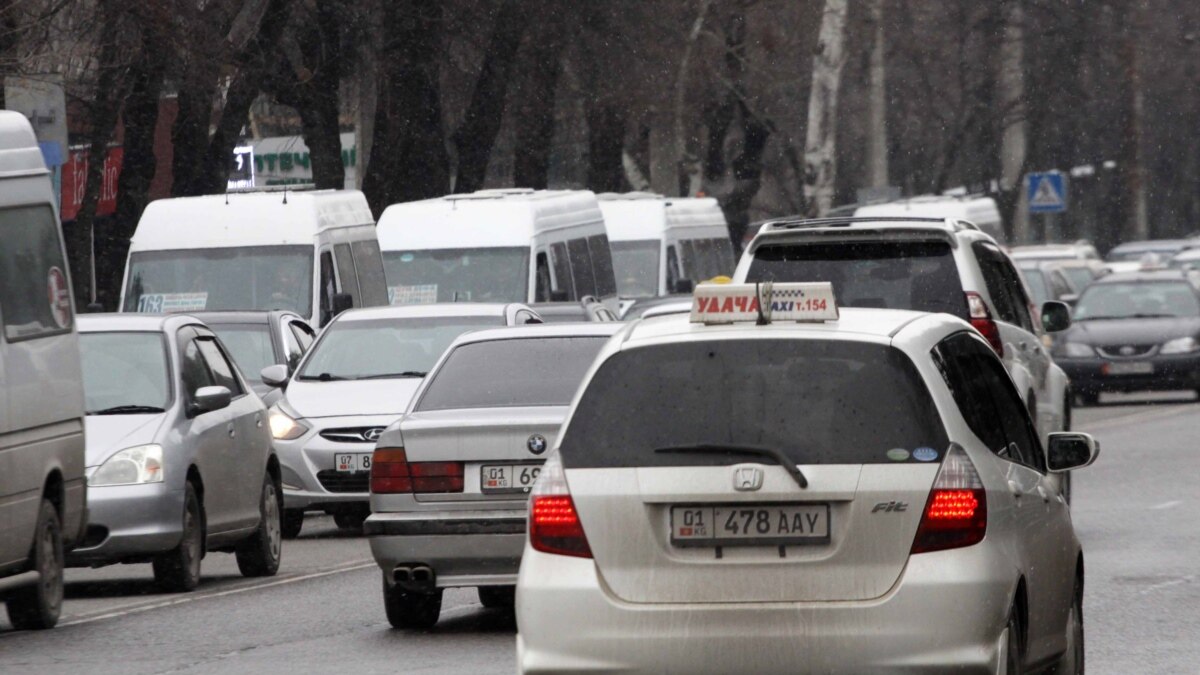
(258, 421)
(232, 430)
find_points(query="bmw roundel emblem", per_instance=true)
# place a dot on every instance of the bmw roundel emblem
(536, 444)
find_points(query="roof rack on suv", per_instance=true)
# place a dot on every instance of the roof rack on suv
(790, 224)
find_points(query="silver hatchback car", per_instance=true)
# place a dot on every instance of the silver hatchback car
(866, 494)
(179, 458)
(450, 481)
(354, 381)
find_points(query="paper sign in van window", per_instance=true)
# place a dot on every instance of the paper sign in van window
(423, 294)
(167, 303)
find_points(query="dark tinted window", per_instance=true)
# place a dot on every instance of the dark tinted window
(918, 275)
(303, 334)
(821, 402)
(985, 395)
(346, 274)
(541, 292)
(562, 270)
(508, 373)
(1004, 286)
(220, 367)
(369, 264)
(674, 274)
(195, 374)
(31, 271)
(328, 287)
(581, 267)
(602, 266)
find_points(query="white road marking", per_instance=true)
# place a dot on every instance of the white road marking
(1166, 505)
(193, 597)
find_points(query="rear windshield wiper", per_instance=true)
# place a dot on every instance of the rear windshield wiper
(323, 377)
(127, 410)
(719, 449)
(381, 376)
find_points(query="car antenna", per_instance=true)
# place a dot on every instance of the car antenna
(285, 193)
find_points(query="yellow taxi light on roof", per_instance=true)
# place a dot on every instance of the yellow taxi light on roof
(763, 303)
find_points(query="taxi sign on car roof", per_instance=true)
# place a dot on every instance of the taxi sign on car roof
(763, 303)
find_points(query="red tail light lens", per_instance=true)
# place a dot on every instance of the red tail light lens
(981, 320)
(956, 513)
(554, 525)
(392, 473)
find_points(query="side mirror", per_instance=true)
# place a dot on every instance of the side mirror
(275, 376)
(208, 399)
(342, 302)
(1056, 316)
(683, 286)
(559, 296)
(1071, 450)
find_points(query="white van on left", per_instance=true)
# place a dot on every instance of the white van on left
(43, 492)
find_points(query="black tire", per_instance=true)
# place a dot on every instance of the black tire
(1015, 664)
(351, 521)
(411, 609)
(37, 606)
(497, 597)
(1072, 662)
(293, 522)
(178, 570)
(259, 555)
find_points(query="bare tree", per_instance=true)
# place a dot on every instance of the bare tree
(820, 148)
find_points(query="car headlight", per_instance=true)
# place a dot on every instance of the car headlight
(284, 428)
(1078, 350)
(1183, 345)
(131, 466)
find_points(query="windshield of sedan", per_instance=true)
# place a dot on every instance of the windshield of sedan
(124, 373)
(1138, 300)
(499, 274)
(249, 344)
(386, 348)
(240, 278)
(1079, 277)
(636, 265)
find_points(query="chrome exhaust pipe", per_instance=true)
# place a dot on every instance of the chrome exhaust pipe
(402, 574)
(422, 574)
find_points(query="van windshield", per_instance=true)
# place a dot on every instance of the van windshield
(635, 264)
(241, 278)
(495, 274)
(124, 373)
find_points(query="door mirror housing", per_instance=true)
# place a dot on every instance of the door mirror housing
(208, 399)
(342, 302)
(1056, 316)
(276, 375)
(1070, 450)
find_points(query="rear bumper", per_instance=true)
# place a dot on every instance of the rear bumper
(946, 614)
(464, 548)
(1170, 373)
(129, 521)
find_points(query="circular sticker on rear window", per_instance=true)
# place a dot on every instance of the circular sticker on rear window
(59, 296)
(897, 454)
(407, 257)
(924, 454)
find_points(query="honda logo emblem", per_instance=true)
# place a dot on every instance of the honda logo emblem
(747, 478)
(372, 434)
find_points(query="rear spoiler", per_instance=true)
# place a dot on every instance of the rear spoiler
(858, 234)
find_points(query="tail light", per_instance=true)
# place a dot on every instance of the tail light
(981, 320)
(554, 525)
(956, 513)
(392, 473)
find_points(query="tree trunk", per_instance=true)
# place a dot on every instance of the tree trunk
(1011, 86)
(686, 144)
(877, 135)
(1137, 219)
(820, 148)
(536, 99)
(410, 160)
(481, 123)
(606, 147)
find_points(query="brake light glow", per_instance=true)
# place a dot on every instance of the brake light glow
(981, 320)
(956, 513)
(554, 525)
(392, 473)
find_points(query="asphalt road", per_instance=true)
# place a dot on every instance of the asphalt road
(1135, 510)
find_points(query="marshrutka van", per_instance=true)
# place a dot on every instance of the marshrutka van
(662, 246)
(513, 245)
(43, 492)
(313, 253)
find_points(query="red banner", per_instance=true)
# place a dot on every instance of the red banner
(74, 182)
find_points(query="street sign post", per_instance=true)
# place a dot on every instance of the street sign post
(1047, 194)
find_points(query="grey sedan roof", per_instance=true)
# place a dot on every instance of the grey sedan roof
(149, 323)
(497, 309)
(260, 317)
(550, 330)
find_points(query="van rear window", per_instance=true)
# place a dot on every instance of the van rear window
(818, 401)
(916, 275)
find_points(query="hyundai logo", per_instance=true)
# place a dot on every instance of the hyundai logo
(537, 444)
(747, 478)
(372, 434)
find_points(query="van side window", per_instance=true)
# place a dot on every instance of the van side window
(542, 291)
(32, 269)
(562, 271)
(581, 267)
(689, 261)
(602, 267)
(369, 263)
(346, 274)
(328, 287)
(673, 275)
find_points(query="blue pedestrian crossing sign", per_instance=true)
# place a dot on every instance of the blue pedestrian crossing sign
(1047, 192)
